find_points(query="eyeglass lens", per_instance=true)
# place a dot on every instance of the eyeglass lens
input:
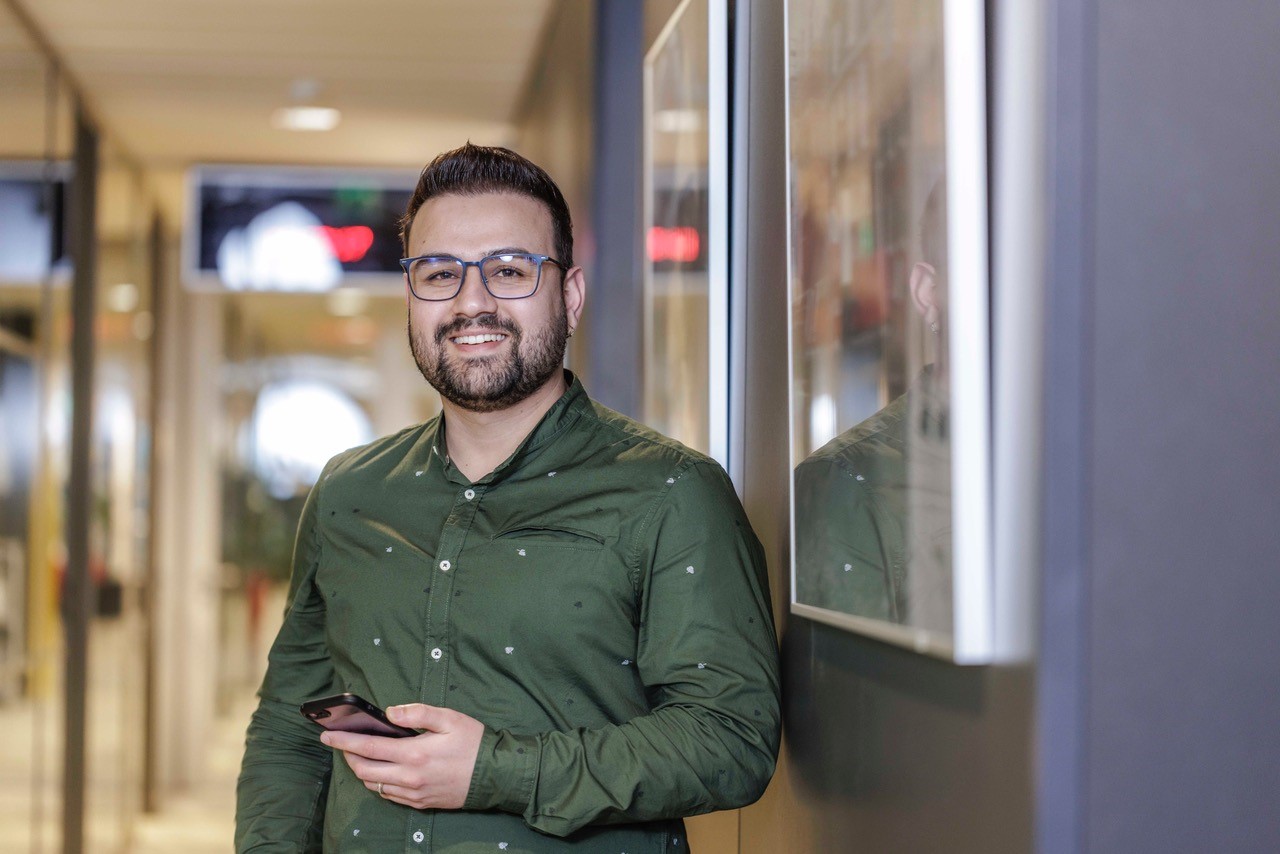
(507, 276)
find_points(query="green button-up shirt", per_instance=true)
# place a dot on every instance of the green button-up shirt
(598, 601)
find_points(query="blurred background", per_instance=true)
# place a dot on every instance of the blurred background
(199, 304)
(222, 182)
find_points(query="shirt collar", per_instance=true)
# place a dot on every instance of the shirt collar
(562, 415)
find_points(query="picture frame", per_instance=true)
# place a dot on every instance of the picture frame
(889, 338)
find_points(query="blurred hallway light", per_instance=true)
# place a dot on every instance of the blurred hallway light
(283, 249)
(297, 426)
(306, 119)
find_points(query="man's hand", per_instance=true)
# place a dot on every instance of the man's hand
(431, 770)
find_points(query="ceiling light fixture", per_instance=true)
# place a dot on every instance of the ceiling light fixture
(306, 118)
(305, 114)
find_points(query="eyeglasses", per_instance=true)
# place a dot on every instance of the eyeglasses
(511, 275)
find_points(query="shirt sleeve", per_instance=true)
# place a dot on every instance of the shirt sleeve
(284, 776)
(708, 656)
(848, 544)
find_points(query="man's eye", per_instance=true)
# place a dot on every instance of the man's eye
(507, 273)
(442, 276)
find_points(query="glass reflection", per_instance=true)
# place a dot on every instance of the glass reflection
(677, 374)
(871, 399)
(34, 417)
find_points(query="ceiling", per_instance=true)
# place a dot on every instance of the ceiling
(182, 81)
(178, 82)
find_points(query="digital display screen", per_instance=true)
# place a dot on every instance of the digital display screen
(32, 227)
(290, 229)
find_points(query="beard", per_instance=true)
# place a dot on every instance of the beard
(498, 381)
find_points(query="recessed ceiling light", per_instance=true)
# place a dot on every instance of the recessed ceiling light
(306, 118)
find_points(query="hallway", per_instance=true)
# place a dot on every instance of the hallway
(201, 820)
(197, 819)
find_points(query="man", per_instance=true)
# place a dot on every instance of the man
(873, 505)
(570, 607)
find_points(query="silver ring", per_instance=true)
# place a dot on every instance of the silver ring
(380, 789)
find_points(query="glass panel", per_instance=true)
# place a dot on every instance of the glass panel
(677, 373)
(34, 150)
(871, 377)
(304, 377)
(118, 526)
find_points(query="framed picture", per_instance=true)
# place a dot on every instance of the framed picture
(889, 342)
(686, 213)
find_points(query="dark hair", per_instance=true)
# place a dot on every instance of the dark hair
(933, 228)
(473, 170)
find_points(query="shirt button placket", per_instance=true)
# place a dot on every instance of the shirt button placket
(440, 596)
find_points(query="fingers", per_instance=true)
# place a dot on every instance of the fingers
(421, 716)
(431, 770)
(373, 746)
(400, 795)
(372, 771)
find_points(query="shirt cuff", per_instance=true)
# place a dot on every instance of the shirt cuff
(506, 768)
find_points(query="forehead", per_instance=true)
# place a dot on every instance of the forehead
(465, 225)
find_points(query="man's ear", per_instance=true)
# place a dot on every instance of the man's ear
(924, 291)
(574, 292)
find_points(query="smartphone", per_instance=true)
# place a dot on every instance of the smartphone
(350, 713)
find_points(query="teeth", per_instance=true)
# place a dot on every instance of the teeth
(478, 339)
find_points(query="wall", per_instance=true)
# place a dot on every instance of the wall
(1162, 648)
(582, 121)
(884, 750)
(555, 129)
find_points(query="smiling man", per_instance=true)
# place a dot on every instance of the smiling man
(571, 609)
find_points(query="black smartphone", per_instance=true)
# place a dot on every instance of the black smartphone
(350, 713)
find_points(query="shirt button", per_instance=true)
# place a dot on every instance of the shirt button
(436, 653)
(445, 566)
(470, 493)
(418, 837)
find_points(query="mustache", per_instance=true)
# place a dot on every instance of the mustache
(483, 323)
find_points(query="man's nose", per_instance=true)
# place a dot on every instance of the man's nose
(474, 297)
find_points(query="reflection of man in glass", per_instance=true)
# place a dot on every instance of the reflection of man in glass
(873, 507)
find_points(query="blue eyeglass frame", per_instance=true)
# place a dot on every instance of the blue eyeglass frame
(406, 263)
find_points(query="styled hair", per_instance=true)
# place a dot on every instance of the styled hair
(474, 170)
(933, 228)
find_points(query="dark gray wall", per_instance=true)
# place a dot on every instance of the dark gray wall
(1162, 670)
(617, 298)
(885, 750)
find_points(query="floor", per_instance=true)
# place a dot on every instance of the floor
(197, 820)
(202, 820)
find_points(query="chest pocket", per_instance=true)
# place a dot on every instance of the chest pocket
(572, 538)
(530, 576)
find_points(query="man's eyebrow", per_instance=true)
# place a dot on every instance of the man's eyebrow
(505, 250)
